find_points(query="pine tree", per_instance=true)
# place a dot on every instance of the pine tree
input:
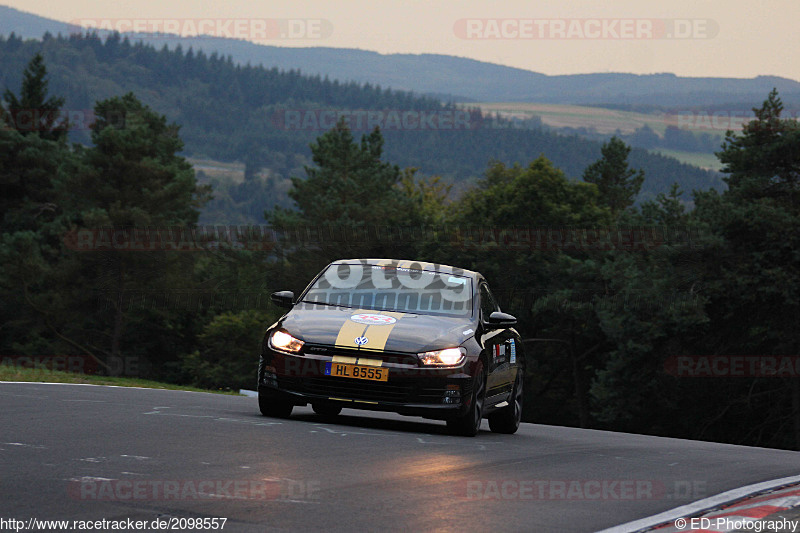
(132, 177)
(349, 184)
(755, 292)
(32, 111)
(764, 160)
(618, 184)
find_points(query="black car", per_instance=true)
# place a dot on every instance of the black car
(415, 338)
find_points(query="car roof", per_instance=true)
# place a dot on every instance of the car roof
(417, 265)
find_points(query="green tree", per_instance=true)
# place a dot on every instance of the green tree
(764, 160)
(29, 157)
(536, 195)
(349, 184)
(225, 358)
(132, 174)
(618, 184)
(28, 166)
(352, 197)
(667, 209)
(529, 275)
(752, 258)
(430, 195)
(32, 157)
(131, 178)
(33, 111)
(646, 316)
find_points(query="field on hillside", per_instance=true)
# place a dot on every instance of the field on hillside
(219, 169)
(608, 121)
(574, 116)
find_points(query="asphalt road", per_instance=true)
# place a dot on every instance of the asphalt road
(89, 453)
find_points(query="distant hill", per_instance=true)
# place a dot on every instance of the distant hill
(459, 78)
(28, 25)
(266, 119)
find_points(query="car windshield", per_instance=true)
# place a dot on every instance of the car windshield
(392, 288)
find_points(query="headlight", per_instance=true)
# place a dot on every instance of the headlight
(448, 357)
(283, 342)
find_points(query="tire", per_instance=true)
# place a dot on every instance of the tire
(507, 419)
(469, 423)
(273, 405)
(326, 409)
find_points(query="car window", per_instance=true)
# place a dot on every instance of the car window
(488, 303)
(393, 288)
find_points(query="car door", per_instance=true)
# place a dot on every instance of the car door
(497, 346)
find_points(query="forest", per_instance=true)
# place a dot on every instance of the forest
(230, 112)
(639, 314)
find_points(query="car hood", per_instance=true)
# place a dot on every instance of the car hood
(375, 330)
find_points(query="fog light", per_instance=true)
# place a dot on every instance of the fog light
(269, 378)
(452, 395)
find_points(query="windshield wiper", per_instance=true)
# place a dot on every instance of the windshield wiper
(324, 303)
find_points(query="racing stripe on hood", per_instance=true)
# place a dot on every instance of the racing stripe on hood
(378, 334)
(349, 331)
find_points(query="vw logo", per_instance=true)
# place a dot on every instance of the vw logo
(361, 341)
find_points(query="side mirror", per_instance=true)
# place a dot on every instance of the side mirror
(499, 320)
(283, 299)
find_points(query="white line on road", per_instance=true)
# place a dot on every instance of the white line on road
(699, 506)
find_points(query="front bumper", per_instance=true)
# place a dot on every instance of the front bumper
(438, 393)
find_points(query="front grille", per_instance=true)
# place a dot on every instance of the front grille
(388, 357)
(359, 389)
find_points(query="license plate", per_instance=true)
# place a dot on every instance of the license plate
(343, 370)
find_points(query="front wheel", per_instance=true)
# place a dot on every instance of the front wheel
(507, 419)
(469, 423)
(271, 404)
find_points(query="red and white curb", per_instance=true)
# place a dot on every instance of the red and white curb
(729, 511)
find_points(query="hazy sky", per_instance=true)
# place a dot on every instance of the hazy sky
(727, 38)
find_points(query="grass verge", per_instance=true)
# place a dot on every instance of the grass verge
(34, 375)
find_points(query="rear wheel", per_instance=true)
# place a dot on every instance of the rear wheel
(507, 419)
(326, 409)
(469, 423)
(271, 404)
